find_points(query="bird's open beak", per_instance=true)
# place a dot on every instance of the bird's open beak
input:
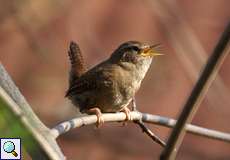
(151, 51)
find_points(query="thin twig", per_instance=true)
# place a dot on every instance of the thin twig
(146, 130)
(197, 95)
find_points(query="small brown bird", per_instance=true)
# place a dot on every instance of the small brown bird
(110, 85)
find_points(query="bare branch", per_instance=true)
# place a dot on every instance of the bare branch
(146, 130)
(148, 118)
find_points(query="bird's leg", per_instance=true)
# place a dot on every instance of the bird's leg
(98, 113)
(134, 105)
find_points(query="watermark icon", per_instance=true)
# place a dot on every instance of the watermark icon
(10, 148)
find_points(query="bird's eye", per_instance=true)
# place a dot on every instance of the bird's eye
(135, 48)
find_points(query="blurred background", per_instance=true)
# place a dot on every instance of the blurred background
(34, 38)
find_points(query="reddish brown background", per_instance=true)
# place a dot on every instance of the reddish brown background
(34, 37)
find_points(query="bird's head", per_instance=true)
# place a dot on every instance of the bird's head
(135, 52)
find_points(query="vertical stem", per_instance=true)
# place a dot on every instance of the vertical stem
(197, 95)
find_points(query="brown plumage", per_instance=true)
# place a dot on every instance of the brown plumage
(110, 85)
(76, 61)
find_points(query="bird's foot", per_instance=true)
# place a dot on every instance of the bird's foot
(97, 112)
(127, 111)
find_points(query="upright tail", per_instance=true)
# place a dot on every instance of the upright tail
(76, 62)
(76, 59)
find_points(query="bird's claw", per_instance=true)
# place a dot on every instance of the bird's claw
(100, 120)
(97, 112)
(128, 116)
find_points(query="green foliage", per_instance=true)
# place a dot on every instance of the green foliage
(11, 127)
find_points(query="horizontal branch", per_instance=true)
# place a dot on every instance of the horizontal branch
(148, 118)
